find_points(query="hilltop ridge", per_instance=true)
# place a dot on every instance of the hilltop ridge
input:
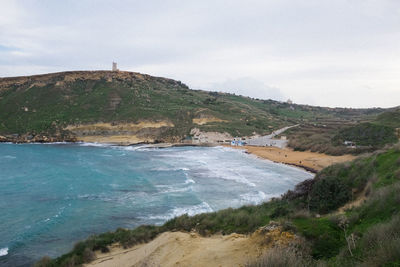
(130, 107)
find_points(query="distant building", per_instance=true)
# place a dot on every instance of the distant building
(237, 141)
(289, 101)
(114, 66)
(350, 144)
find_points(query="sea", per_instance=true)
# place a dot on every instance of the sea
(53, 195)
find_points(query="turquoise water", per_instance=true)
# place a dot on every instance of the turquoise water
(53, 195)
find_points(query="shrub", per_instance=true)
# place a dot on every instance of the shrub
(279, 257)
(397, 174)
(43, 262)
(367, 134)
(88, 255)
(328, 194)
(302, 213)
(279, 211)
(296, 253)
(326, 237)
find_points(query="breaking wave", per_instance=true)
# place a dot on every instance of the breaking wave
(3, 251)
(178, 211)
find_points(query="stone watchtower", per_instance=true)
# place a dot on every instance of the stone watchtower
(114, 66)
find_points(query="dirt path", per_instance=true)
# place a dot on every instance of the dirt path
(307, 159)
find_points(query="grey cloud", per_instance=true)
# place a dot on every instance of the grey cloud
(248, 86)
(316, 49)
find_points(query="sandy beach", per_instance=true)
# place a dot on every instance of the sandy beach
(311, 161)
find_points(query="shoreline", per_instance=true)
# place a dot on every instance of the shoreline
(310, 161)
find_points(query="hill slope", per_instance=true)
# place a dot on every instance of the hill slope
(140, 108)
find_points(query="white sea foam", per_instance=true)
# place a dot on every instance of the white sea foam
(232, 175)
(165, 169)
(56, 143)
(9, 157)
(193, 210)
(135, 148)
(95, 144)
(173, 189)
(3, 251)
(256, 197)
(190, 181)
(203, 207)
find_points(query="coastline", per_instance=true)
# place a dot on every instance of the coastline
(160, 249)
(310, 161)
(307, 160)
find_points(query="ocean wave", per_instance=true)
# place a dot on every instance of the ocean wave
(190, 181)
(203, 207)
(173, 189)
(3, 251)
(164, 169)
(135, 148)
(256, 197)
(9, 157)
(95, 144)
(56, 215)
(230, 175)
(55, 143)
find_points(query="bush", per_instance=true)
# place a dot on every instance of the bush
(328, 194)
(296, 253)
(279, 257)
(43, 262)
(366, 134)
(397, 174)
(279, 211)
(88, 255)
(302, 213)
(325, 236)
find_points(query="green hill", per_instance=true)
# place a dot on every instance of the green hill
(58, 106)
(390, 118)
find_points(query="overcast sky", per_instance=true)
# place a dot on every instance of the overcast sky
(331, 53)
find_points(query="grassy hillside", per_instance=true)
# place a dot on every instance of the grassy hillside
(46, 104)
(390, 118)
(366, 235)
(368, 133)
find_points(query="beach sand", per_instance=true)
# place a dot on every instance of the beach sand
(309, 160)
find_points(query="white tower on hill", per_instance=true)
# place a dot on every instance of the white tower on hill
(114, 66)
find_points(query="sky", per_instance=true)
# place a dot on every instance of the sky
(342, 53)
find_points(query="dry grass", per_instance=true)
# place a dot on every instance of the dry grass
(381, 244)
(296, 254)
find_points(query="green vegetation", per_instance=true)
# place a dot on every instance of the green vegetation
(367, 234)
(45, 104)
(390, 118)
(367, 134)
(318, 138)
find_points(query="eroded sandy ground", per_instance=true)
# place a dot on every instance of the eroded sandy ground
(184, 249)
(190, 249)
